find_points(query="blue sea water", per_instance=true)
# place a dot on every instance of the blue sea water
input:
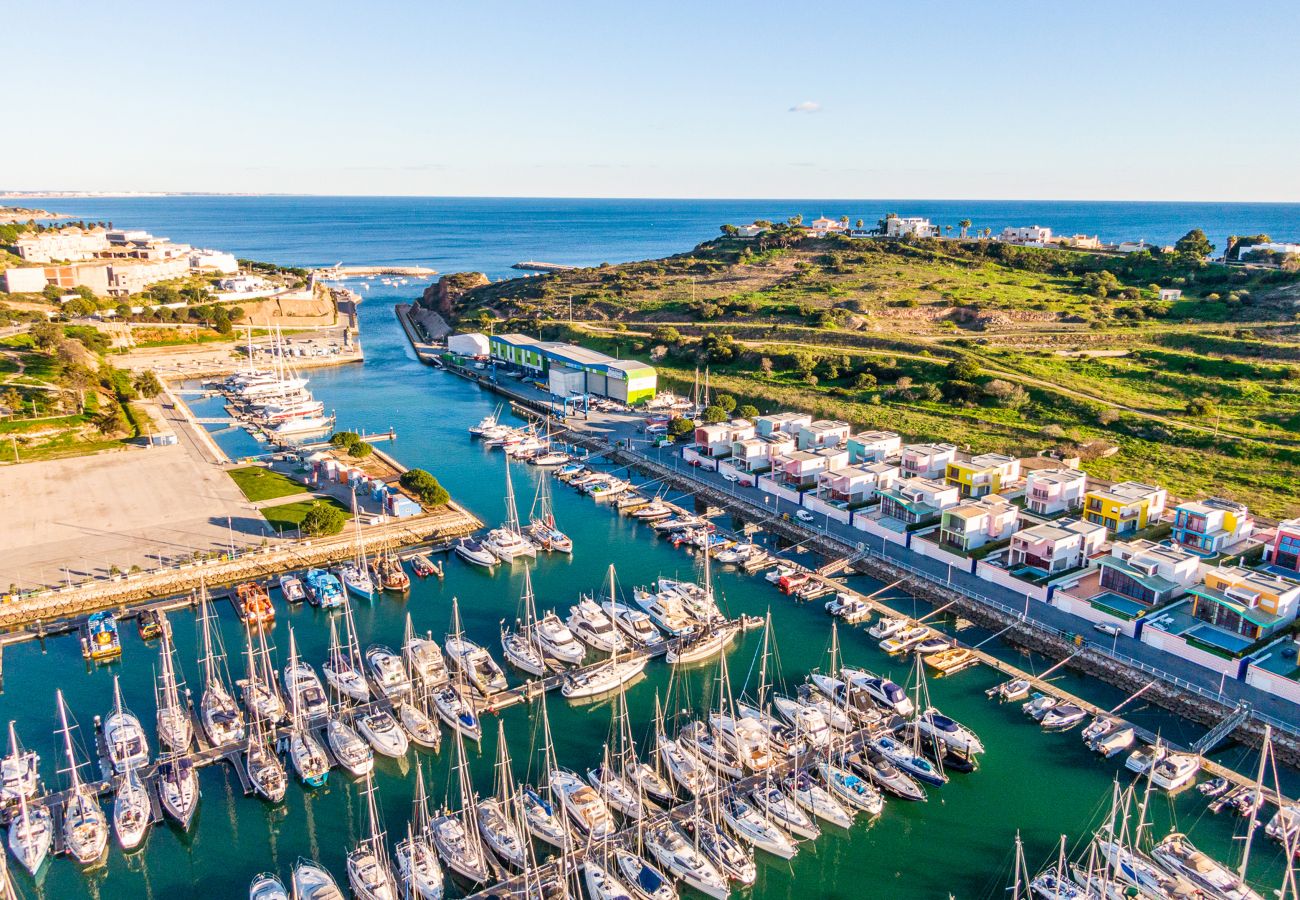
(490, 234)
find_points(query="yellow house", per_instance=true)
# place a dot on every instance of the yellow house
(1124, 507)
(979, 476)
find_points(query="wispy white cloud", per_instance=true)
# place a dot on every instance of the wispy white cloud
(806, 106)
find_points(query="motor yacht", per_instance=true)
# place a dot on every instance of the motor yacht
(753, 827)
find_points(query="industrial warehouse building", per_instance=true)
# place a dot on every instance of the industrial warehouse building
(570, 370)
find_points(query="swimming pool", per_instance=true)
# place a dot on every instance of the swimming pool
(1117, 605)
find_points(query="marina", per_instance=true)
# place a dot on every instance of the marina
(320, 823)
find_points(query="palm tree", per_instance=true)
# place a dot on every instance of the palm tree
(860, 223)
(948, 228)
(964, 223)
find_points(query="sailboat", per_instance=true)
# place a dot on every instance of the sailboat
(355, 575)
(418, 868)
(305, 752)
(538, 803)
(752, 826)
(124, 736)
(85, 827)
(727, 854)
(31, 832)
(455, 835)
(351, 750)
(343, 669)
(423, 658)
(672, 851)
(687, 771)
(368, 870)
(601, 883)
(508, 543)
(20, 774)
(541, 527)
(520, 646)
(220, 715)
(175, 729)
(639, 776)
(303, 686)
(264, 768)
(496, 814)
(132, 810)
(746, 737)
(474, 664)
(261, 697)
(178, 788)
(388, 572)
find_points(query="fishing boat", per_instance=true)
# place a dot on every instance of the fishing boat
(261, 697)
(102, 641)
(343, 668)
(496, 814)
(306, 755)
(350, 749)
(557, 641)
(423, 566)
(418, 869)
(473, 663)
(20, 772)
(220, 715)
(267, 887)
(1063, 717)
(387, 571)
(124, 736)
(387, 673)
(314, 882)
(455, 835)
(590, 624)
(149, 623)
(877, 768)
(457, 712)
(1175, 771)
(379, 727)
(783, 811)
(292, 588)
(254, 604)
(423, 658)
(476, 553)
(178, 789)
(849, 608)
(542, 529)
(702, 645)
(323, 589)
(85, 827)
(672, 851)
(521, 646)
(264, 768)
(31, 834)
(369, 873)
(744, 819)
(852, 790)
(635, 625)
(584, 807)
(1179, 856)
(508, 543)
(908, 759)
(132, 809)
(644, 880)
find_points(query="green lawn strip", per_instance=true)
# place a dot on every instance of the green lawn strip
(258, 483)
(289, 516)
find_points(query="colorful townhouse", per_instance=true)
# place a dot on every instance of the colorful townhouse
(1284, 551)
(979, 476)
(855, 486)
(1148, 573)
(823, 433)
(799, 470)
(926, 460)
(1052, 492)
(1056, 546)
(978, 521)
(917, 501)
(873, 446)
(1212, 526)
(716, 440)
(1245, 602)
(1125, 507)
(781, 423)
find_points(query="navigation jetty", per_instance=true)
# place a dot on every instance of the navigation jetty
(530, 265)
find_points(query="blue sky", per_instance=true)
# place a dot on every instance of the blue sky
(1136, 100)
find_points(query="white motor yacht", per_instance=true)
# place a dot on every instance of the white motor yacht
(380, 728)
(635, 625)
(672, 851)
(591, 625)
(753, 827)
(388, 673)
(557, 641)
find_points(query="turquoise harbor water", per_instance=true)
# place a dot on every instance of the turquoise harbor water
(958, 843)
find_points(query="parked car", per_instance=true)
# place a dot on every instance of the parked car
(1107, 628)
(803, 515)
(730, 476)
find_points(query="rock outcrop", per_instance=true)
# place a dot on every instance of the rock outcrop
(441, 296)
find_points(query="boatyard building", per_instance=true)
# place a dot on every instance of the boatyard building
(570, 370)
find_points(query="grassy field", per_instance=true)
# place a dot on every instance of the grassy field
(989, 347)
(288, 516)
(259, 484)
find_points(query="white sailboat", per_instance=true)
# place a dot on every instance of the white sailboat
(752, 826)
(455, 834)
(672, 851)
(261, 696)
(178, 788)
(20, 774)
(686, 770)
(418, 869)
(85, 827)
(508, 543)
(303, 686)
(264, 768)
(496, 814)
(541, 527)
(220, 715)
(369, 872)
(31, 833)
(520, 645)
(305, 752)
(132, 810)
(175, 729)
(343, 669)
(540, 815)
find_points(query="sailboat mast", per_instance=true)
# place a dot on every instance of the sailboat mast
(67, 743)
(512, 514)
(1259, 798)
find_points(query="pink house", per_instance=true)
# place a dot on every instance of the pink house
(926, 460)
